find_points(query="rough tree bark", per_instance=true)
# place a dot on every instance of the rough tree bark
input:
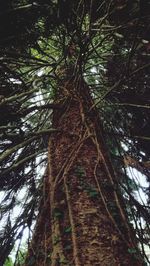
(82, 220)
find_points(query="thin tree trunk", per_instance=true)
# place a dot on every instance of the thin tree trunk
(83, 221)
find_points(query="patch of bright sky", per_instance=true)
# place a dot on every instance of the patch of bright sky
(141, 182)
(16, 211)
(15, 81)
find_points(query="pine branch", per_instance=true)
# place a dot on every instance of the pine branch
(17, 164)
(131, 104)
(17, 96)
(35, 135)
(20, 8)
(25, 111)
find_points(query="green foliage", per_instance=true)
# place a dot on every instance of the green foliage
(20, 258)
(8, 262)
(56, 240)
(63, 261)
(132, 250)
(79, 171)
(57, 213)
(92, 192)
(68, 230)
(111, 53)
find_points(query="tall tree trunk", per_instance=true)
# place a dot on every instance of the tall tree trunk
(82, 219)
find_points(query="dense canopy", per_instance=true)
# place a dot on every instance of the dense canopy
(105, 43)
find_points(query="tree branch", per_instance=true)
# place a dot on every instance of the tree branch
(35, 135)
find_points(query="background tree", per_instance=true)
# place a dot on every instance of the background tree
(102, 49)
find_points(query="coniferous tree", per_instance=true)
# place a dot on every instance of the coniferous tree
(73, 100)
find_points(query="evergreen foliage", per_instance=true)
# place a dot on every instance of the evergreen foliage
(108, 43)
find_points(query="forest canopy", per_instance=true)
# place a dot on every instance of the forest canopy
(42, 44)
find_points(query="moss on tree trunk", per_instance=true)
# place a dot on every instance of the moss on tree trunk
(81, 218)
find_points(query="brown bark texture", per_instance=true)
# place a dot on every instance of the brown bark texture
(82, 221)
